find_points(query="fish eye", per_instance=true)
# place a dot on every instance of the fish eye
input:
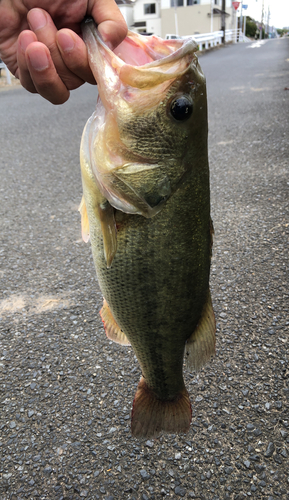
(181, 108)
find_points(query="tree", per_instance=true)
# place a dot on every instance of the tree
(251, 27)
(282, 32)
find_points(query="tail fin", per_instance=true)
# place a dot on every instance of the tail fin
(151, 415)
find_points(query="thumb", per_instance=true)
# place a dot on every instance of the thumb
(110, 21)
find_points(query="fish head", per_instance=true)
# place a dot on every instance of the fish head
(151, 118)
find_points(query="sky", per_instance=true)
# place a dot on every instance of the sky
(279, 11)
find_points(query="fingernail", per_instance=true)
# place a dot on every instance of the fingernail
(106, 39)
(24, 43)
(108, 43)
(37, 19)
(65, 41)
(38, 60)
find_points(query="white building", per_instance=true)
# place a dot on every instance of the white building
(182, 17)
(127, 9)
(142, 16)
(192, 17)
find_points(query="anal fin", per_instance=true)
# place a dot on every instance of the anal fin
(112, 330)
(200, 345)
(151, 415)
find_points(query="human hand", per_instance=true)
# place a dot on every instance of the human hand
(43, 47)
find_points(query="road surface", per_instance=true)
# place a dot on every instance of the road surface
(66, 391)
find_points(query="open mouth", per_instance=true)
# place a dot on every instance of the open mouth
(140, 50)
(139, 61)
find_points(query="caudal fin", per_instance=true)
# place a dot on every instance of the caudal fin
(150, 415)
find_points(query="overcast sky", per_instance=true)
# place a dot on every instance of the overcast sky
(279, 11)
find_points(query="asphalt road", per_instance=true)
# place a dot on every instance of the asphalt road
(66, 391)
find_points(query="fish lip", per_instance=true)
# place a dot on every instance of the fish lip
(187, 45)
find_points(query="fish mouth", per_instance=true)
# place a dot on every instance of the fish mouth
(140, 62)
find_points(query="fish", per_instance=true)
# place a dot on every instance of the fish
(146, 211)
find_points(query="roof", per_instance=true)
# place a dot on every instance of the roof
(125, 2)
(218, 11)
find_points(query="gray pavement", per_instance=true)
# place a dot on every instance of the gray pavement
(66, 391)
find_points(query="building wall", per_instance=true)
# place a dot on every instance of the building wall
(127, 12)
(192, 20)
(166, 4)
(154, 26)
(136, 13)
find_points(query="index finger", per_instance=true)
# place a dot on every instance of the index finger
(110, 21)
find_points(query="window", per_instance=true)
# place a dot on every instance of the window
(149, 8)
(177, 3)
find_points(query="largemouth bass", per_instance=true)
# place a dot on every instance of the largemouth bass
(146, 210)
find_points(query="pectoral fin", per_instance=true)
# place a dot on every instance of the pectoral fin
(201, 344)
(111, 327)
(109, 232)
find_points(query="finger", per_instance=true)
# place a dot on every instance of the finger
(74, 54)
(110, 21)
(25, 38)
(44, 75)
(42, 25)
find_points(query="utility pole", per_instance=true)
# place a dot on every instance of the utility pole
(223, 20)
(261, 30)
(241, 17)
(176, 19)
(245, 7)
(212, 9)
